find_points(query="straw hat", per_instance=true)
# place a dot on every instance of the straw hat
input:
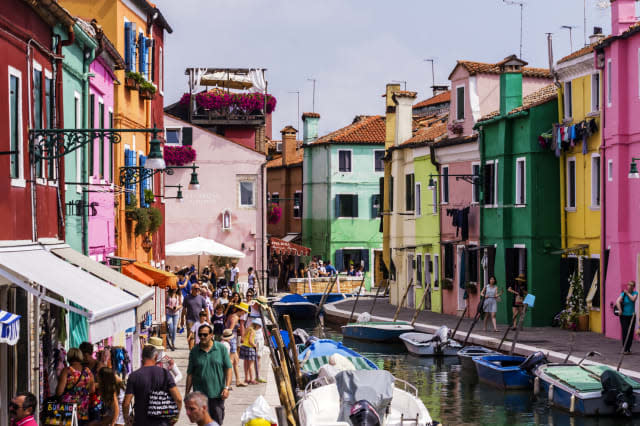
(257, 321)
(521, 277)
(262, 300)
(156, 342)
(227, 334)
(242, 306)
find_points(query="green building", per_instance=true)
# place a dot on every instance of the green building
(75, 83)
(520, 224)
(341, 194)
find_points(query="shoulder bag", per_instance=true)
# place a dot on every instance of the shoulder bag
(160, 404)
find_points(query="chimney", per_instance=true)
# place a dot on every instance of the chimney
(439, 89)
(310, 127)
(596, 36)
(510, 83)
(289, 143)
(623, 14)
(404, 115)
(390, 115)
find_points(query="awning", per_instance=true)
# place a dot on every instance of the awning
(160, 278)
(9, 327)
(108, 309)
(276, 245)
(290, 237)
(131, 286)
(200, 246)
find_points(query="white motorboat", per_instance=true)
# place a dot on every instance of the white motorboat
(379, 395)
(425, 344)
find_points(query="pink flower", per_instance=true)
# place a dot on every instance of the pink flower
(179, 155)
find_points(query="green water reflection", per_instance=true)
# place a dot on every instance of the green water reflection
(455, 397)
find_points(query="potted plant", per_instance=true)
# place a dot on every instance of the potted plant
(147, 90)
(179, 155)
(456, 128)
(130, 208)
(132, 80)
(274, 214)
(447, 284)
(471, 288)
(149, 198)
(575, 316)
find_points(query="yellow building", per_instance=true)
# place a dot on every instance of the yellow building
(579, 98)
(136, 28)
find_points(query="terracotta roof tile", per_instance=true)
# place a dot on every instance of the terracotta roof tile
(474, 67)
(534, 99)
(428, 134)
(406, 93)
(364, 129)
(277, 160)
(310, 114)
(578, 53)
(434, 100)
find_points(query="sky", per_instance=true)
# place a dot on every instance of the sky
(353, 48)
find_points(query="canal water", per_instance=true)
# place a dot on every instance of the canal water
(455, 397)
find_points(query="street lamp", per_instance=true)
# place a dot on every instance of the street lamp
(154, 159)
(633, 170)
(193, 183)
(432, 183)
(179, 198)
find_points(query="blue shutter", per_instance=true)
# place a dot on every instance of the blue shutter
(127, 45)
(141, 47)
(143, 182)
(129, 161)
(337, 206)
(355, 205)
(339, 260)
(132, 47)
(147, 45)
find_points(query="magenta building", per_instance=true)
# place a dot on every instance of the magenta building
(101, 198)
(621, 141)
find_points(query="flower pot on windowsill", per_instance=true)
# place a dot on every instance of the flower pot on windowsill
(147, 94)
(583, 322)
(447, 284)
(471, 288)
(131, 83)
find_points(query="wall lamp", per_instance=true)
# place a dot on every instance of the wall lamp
(472, 179)
(179, 198)
(130, 175)
(633, 170)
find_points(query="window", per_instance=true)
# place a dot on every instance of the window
(15, 125)
(568, 108)
(375, 206)
(130, 45)
(609, 88)
(475, 195)
(101, 143)
(434, 200)
(472, 264)
(428, 267)
(460, 103)
(344, 161)
(391, 193)
(173, 136)
(419, 270)
(418, 207)
(278, 146)
(378, 162)
(111, 154)
(571, 183)
(297, 204)
(37, 110)
(275, 198)
(160, 70)
(490, 177)
(521, 185)
(436, 272)
(595, 181)
(595, 92)
(610, 170)
(346, 205)
(77, 121)
(445, 184)
(48, 105)
(246, 193)
(409, 192)
(448, 261)
(92, 125)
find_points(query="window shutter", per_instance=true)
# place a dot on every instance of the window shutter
(337, 206)
(355, 205)
(187, 136)
(147, 58)
(128, 163)
(364, 255)
(127, 45)
(339, 261)
(152, 71)
(141, 48)
(132, 47)
(143, 182)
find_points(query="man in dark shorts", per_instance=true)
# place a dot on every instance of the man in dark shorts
(141, 382)
(193, 304)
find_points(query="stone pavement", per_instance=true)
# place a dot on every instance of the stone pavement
(240, 397)
(554, 340)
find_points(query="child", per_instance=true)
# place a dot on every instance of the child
(259, 338)
(248, 352)
(227, 335)
(217, 319)
(193, 338)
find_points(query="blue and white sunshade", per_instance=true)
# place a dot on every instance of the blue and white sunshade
(9, 327)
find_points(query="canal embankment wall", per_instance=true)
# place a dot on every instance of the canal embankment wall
(556, 343)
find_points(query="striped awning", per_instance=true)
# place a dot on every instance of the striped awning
(313, 365)
(9, 327)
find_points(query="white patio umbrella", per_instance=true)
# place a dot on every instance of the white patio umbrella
(201, 246)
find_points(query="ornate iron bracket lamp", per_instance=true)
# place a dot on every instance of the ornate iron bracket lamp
(131, 175)
(472, 179)
(179, 198)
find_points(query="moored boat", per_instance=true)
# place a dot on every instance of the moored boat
(466, 355)
(588, 390)
(376, 331)
(296, 306)
(425, 344)
(316, 298)
(319, 353)
(508, 371)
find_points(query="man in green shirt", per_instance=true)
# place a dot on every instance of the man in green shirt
(209, 372)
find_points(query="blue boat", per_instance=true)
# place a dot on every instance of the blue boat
(503, 371)
(318, 353)
(316, 298)
(380, 331)
(296, 306)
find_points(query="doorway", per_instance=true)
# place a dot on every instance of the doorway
(411, 295)
(428, 267)
(460, 280)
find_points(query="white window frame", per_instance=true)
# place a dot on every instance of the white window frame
(464, 95)
(350, 151)
(374, 161)
(436, 271)
(417, 199)
(595, 182)
(51, 180)
(568, 100)
(609, 88)
(179, 129)
(474, 200)
(279, 146)
(160, 71)
(609, 171)
(253, 183)
(77, 97)
(444, 181)
(434, 199)
(595, 94)
(294, 206)
(38, 67)
(96, 171)
(20, 181)
(519, 196)
(568, 206)
(494, 163)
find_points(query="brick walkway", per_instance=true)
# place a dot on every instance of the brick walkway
(554, 340)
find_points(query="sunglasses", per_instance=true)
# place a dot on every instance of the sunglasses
(203, 335)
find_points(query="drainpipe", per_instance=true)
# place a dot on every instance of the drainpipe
(87, 58)
(57, 122)
(263, 222)
(473, 188)
(603, 216)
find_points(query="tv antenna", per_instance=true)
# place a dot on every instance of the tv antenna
(521, 4)
(433, 73)
(401, 81)
(570, 28)
(313, 102)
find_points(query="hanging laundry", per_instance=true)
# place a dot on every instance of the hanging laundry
(558, 140)
(460, 221)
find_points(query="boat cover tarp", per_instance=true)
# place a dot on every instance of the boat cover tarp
(293, 298)
(374, 386)
(583, 379)
(313, 365)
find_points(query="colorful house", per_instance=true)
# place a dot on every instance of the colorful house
(579, 104)
(341, 198)
(475, 88)
(620, 245)
(520, 226)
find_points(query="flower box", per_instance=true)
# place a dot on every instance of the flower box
(447, 284)
(147, 94)
(131, 83)
(233, 103)
(179, 155)
(471, 288)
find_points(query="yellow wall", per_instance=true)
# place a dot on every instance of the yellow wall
(390, 133)
(582, 224)
(130, 110)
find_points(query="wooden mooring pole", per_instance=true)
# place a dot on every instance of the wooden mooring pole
(404, 297)
(357, 297)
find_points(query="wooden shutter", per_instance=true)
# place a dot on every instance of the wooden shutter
(187, 136)
(337, 206)
(152, 66)
(129, 161)
(127, 45)
(354, 200)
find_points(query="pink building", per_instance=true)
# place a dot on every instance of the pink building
(475, 93)
(229, 207)
(621, 141)
(101, 173)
